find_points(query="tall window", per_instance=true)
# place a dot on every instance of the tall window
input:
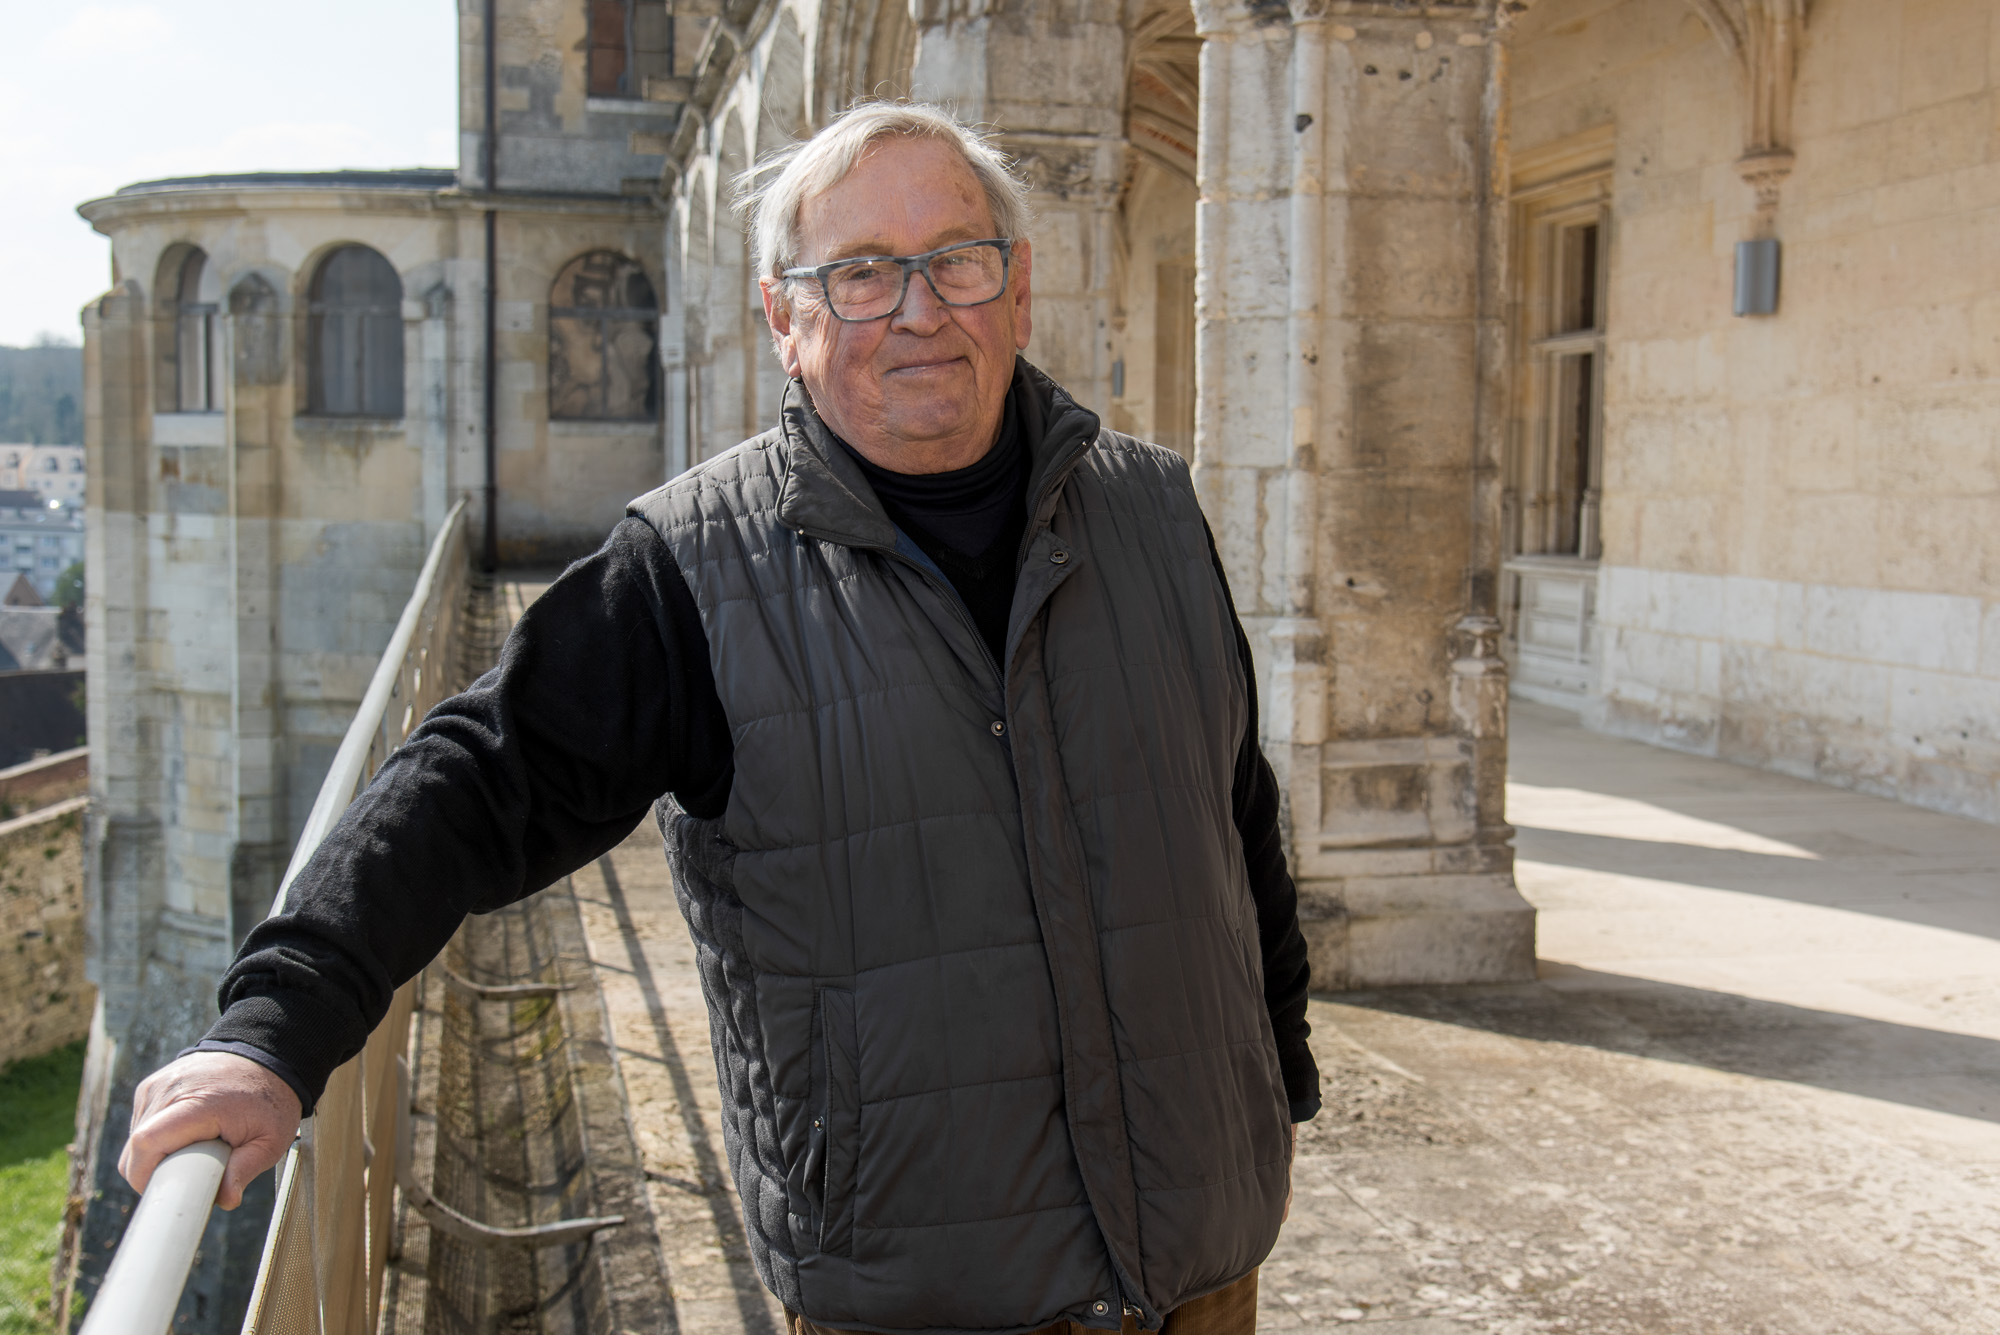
(189, 374)
(1554, 474)
(603, 361)
(628, 42)
(1573, 351)
(355, 337)
(1555, 477)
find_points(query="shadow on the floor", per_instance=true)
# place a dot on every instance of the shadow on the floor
(1920, 1068)
(715, 1178)
(1868, 854)
(1861, 886)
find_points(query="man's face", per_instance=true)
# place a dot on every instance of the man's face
(923, 390)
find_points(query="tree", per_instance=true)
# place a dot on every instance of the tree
(69, 588)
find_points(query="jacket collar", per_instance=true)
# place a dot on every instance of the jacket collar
(826, 496)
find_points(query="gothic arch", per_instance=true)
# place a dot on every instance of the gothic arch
(186, 330)
(730, 402)
(1163, 88)
(781, 97)
(867, 50)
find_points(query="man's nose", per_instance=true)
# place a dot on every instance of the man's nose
(921, 311)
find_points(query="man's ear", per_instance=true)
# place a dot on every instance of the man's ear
(1017, 292)
(778, 315)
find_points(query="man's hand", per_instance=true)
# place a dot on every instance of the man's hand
(211, 1096)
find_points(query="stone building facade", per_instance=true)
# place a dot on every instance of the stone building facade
(1635, 355)
(40, 537)
(54, 472)
(1438, 296)
(291, 381)
(1795, 555)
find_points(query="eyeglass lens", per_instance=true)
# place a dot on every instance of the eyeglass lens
(870, 289)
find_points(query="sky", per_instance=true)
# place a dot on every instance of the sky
(95, 96)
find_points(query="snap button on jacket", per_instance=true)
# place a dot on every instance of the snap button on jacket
(978, 945)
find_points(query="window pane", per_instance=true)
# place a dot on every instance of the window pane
(356, 329)
(1578, 277)
(608, 49)
(1575, 424)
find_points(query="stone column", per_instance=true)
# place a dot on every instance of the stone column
(257, 412)
(432, 336)
(1350, 366)
(675, 417)
(1053, 79)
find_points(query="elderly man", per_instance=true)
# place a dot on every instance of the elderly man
(950, 726)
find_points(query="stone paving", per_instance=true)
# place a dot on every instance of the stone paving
(1754, 1092)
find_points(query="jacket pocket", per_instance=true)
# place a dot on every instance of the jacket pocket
(836, 1131)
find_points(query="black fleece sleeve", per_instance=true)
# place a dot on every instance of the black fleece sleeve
(1287, 972)
(603, 699)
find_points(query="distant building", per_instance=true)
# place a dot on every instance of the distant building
(39, 537)
(31, 639)
(56, 472)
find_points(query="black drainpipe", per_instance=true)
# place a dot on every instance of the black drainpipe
(489, 557)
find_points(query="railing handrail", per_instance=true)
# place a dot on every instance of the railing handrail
(143, 1285)
(345, 775)
(150, 1268)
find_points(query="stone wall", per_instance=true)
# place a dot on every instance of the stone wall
(1801, 512)
(40, 783)
(554, 134)
(44, 1000)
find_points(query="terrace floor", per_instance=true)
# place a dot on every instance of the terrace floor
(1756, 1090)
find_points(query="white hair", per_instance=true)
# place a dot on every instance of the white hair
(785, 180)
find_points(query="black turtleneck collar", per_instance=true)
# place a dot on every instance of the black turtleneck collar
(969, 521)
(964, 509)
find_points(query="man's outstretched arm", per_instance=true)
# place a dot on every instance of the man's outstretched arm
(603, 700)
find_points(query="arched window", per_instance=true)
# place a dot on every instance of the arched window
(603, 365)
(190, 295)
(355, 337)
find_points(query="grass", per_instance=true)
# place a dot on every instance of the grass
(37, 1119)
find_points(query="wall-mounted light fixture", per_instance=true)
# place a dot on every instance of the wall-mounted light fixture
(1118, 379)
(1757, 276)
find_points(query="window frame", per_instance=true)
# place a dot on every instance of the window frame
(1548, 514)
(388, 312)
(605, 318)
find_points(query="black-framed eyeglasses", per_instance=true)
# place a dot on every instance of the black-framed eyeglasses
(872, 287)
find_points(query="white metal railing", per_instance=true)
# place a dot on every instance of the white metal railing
(321, 1272)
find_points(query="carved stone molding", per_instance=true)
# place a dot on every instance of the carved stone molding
(1762, 37)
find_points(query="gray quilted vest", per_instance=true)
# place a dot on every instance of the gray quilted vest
(979, 951)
